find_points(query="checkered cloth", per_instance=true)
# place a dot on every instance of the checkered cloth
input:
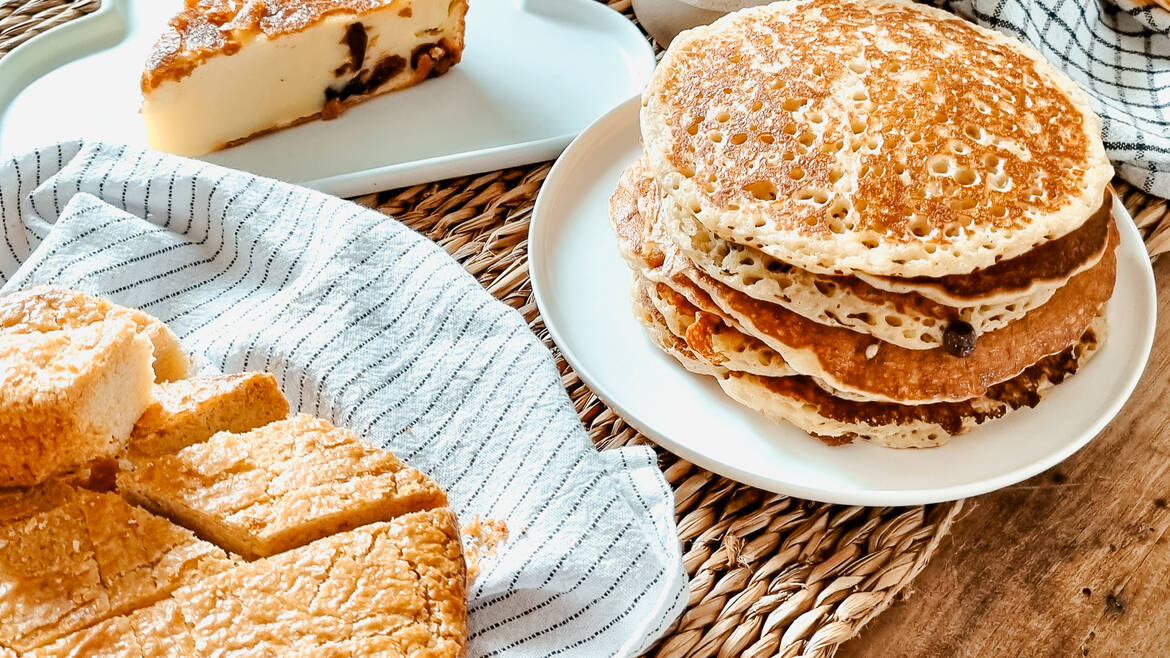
(1118, 51)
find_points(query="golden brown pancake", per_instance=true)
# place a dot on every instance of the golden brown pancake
(846, 136)
(813, 407)
(910, 316)
(844, 358)
(718, 344)
(1053, 262)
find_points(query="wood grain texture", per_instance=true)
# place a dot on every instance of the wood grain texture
(1073, 562)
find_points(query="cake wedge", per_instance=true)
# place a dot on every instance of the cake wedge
(227, 70)
(70, 558)
(278, 487)
(192, 410)
(397, 588)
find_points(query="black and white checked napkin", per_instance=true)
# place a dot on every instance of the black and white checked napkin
(1118, 51)
(366, 323)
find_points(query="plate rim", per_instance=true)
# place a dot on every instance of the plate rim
(539, 275)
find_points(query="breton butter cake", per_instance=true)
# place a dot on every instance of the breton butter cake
(357, 553)
(49, 308)
(395, 588)
(190, 411)
(72, 558)
(68, 396)
(854, 235)
(228, 70)
(279, 486)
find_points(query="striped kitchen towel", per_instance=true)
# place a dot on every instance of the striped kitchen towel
(1118, 51)
(368, 324)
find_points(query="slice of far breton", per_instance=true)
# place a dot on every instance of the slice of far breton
(395, 588)
(192, 410)
(227, 70)
(278, 487)
(69, 396)
(70, 558)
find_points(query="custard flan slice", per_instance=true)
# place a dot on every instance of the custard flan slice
(225, 71)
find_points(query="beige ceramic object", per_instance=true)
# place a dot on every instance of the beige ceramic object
(664, 19)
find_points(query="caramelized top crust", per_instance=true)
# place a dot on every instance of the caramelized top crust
(218, 27)
(876, 136)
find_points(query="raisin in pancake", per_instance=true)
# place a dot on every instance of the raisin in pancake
(847, 135)
(849, 361)
(802, 402)
(822, 412)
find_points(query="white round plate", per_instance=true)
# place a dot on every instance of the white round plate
(582, 288)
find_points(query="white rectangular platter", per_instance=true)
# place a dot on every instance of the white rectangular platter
(534, 74)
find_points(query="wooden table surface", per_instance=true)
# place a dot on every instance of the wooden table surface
(1073, 562)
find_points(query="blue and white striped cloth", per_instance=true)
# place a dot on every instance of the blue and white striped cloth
(1118, 51)
(366, 323)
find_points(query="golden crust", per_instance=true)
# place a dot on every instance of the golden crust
(208, 28)
(83, 557)
(156, 631)
(396, 588)
(190, 411)
(69, 396)
(49, 308)
(856, 135)
(113, 637)
(401, 585)
(279, 486)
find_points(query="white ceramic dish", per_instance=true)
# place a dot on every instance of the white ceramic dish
(534, 74)
(664, 19)
(582, 288)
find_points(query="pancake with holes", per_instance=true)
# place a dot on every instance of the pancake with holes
(708, 336)
(906, 317)
(855, 362)
(841, 137)
(835, 419)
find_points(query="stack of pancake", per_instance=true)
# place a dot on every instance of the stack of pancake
(869, 218)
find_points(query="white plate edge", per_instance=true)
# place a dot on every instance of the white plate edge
(869, 497)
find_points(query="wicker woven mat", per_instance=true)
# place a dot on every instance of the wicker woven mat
(770, 575)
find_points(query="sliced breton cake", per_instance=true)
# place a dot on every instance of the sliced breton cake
(280, 486)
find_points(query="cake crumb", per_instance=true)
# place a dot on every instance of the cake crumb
(482, 538)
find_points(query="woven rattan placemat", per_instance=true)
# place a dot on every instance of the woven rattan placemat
(770, 575)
